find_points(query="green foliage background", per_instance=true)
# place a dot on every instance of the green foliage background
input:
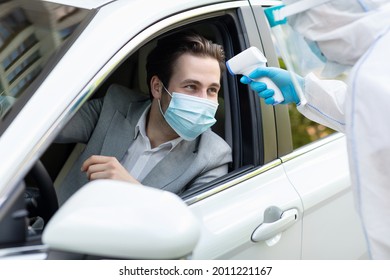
(304, 130)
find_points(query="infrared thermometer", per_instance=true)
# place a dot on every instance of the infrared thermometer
(247, 61)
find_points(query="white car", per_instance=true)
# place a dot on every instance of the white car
(278, 201)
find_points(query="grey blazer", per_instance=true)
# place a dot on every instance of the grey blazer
(107, 127)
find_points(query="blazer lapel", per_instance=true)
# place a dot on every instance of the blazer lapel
(120, 133)
(119, 136)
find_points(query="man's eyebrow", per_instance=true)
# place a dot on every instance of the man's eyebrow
(191, 81)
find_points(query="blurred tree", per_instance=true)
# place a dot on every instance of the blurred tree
(304, 130)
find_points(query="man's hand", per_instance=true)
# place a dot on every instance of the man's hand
(103, 167)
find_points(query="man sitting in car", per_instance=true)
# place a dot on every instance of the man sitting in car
(165, 141)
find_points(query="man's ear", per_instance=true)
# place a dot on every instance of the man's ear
(156, 87)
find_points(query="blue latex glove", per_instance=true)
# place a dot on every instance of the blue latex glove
(280, 77)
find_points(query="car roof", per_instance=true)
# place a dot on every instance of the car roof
(93, 4)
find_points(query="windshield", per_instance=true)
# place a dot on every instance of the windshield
(30, 33)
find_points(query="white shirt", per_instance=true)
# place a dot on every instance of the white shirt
(140, 158)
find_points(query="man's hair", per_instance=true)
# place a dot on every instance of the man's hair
(162, 58)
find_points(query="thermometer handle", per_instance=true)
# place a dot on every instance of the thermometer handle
(278, 96)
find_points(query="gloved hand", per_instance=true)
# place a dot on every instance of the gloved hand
(282, 80)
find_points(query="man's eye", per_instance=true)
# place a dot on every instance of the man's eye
(190, 86)
(213, 90)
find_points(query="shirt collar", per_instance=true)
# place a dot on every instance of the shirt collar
(140, 128)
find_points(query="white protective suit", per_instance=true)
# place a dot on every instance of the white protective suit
(361, 107)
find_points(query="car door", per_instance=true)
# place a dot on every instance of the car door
(331, 229)
(232, 219)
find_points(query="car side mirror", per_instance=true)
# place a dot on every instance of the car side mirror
(121, 220)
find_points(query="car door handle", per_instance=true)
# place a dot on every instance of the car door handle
(266, 231)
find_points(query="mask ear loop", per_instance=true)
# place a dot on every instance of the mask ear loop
(166, 90)
(158, 100)
(159, 106)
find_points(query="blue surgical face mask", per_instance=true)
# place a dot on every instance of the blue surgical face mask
(189, 116)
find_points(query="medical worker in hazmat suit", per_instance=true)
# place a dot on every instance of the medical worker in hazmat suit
(338, 61)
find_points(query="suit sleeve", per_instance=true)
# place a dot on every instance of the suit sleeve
(209, 176)
(215, 155)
